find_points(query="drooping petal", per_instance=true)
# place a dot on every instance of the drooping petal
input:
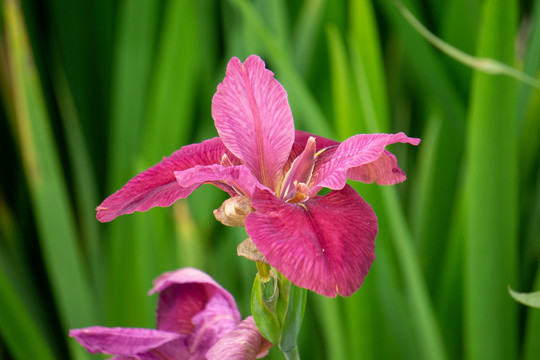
(144, 344)
(238, 177)
(325, 244)
(354, 152)
(383, 171)
(243, 343)
(253, 118)
(157, 186)
(183, 294)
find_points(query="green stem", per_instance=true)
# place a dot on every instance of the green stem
(292, 354)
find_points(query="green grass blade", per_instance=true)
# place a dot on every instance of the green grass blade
(346, 118)
(425, 322)
(531, 345)
(364, 36)
(305, 34)
(305, 109)
(49, 199)
(84, 182)
(132, 64)
(332, 326)
(490, 249)
(424, 61)
(23, 338)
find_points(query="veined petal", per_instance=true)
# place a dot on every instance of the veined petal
(157, 186)
(383, 171)
(238, 177)
(183, 294)
(356, 151)
(253, 118)
(325, 244)
(143, 343)
(245, 342)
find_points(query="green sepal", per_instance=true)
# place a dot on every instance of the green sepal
(264, 298)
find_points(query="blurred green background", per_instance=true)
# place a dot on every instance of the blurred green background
(94, 92)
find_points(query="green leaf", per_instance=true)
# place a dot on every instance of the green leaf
(50, 201)
(531, 299)
(264, 299)
(491, 194)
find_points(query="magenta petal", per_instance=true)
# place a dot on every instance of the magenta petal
(325, 244)
(238, 177)
(243, 343)
(253, 118)
(183, 294)
(157, 186)
(124, 341)
(357, 151)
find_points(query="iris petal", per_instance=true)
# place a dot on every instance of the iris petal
(123, 341)
(237, 177)
(357, 151)
(325, 244)
(243, 343)
(185, 293)
(157, 186)
(253, 118)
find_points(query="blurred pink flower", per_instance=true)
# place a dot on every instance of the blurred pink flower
(322, 243)
(196, 319)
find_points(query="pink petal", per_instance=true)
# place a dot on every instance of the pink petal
(300, 172)
(354, 152)
(237, 177)
(142, 343)
(383, 171)
(243, 343)
(253, 118)
(213, 323)
(157, 186)
(325, 244)
(183, 294)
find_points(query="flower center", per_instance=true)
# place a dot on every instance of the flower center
(294, 187)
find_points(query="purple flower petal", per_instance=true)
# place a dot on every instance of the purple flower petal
(238, 177)
(253, 118)
(145, 344)
(183, 294)
(157, 186)
(356, 151)
(243, 343)
(325, 244)
(211, 324)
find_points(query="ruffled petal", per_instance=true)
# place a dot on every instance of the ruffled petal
(157, 186)
(357, 151)
(237, 177)
(183, 294)
(325, 244)
(145, 344)
(243, 343)
(253, 118)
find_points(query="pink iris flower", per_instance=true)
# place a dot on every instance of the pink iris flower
(322, 243)
(196, 320)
